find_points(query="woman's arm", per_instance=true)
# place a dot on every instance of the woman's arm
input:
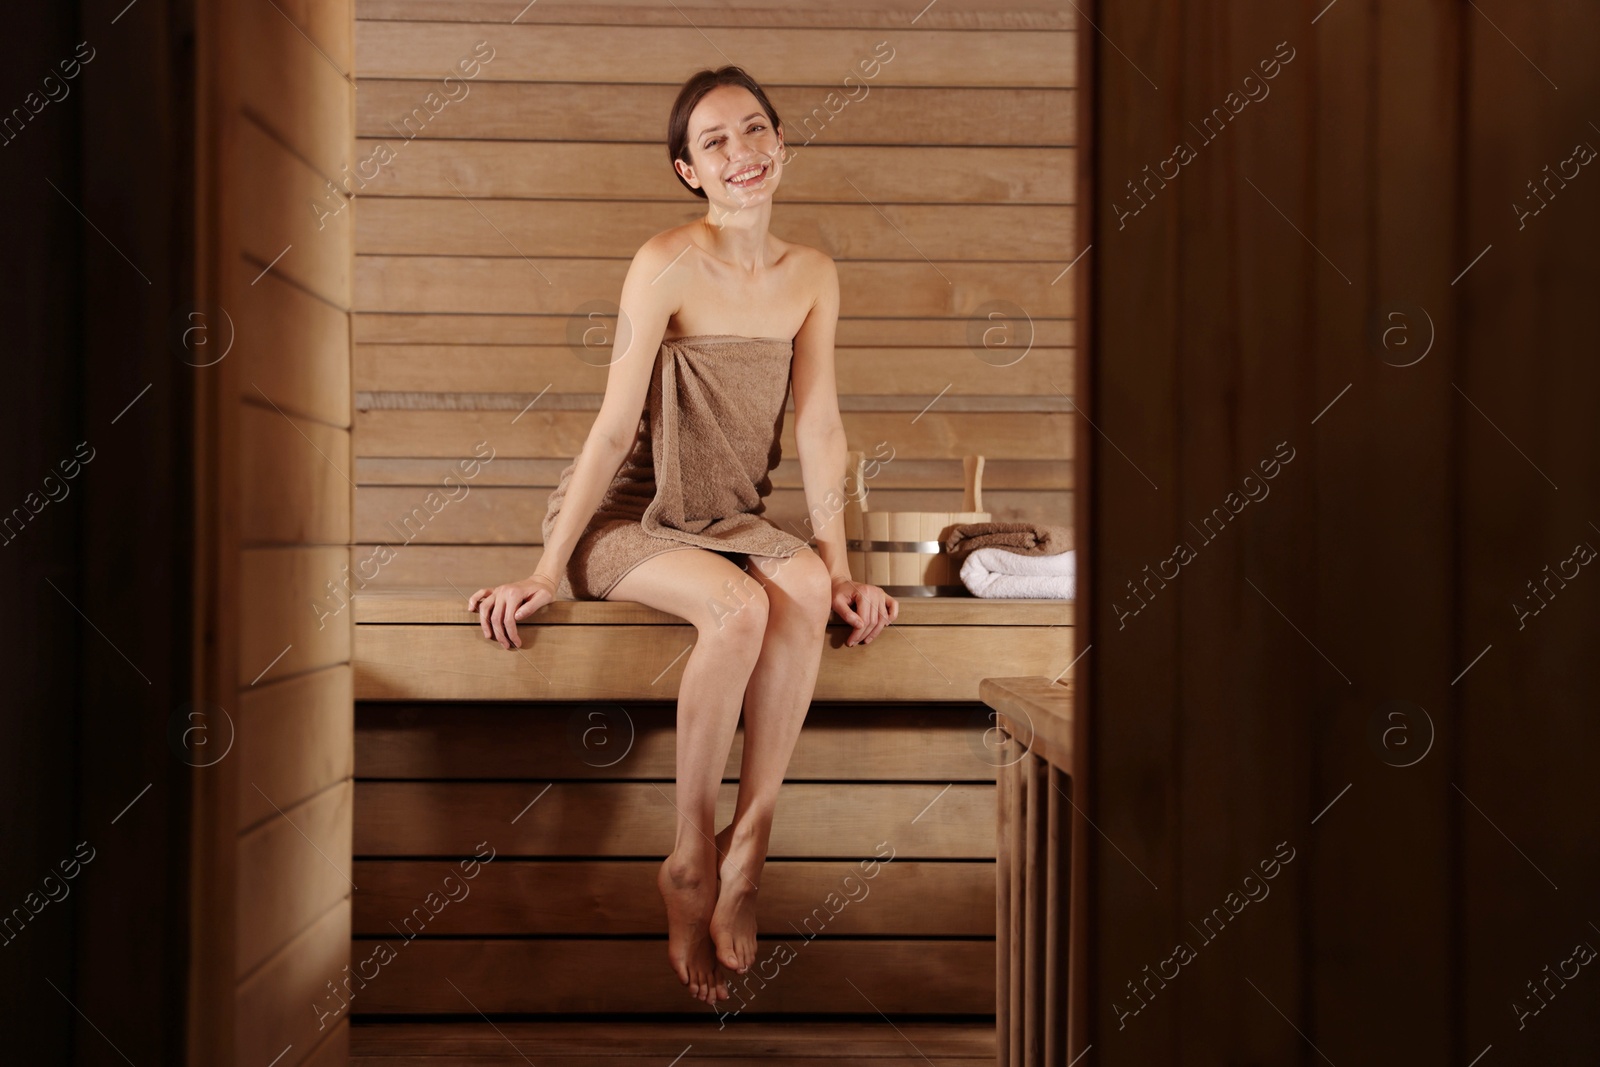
(820, 438)
(641, 324)
(649, 299)
(818, 429)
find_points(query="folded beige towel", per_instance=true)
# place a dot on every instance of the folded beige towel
(1024, 538)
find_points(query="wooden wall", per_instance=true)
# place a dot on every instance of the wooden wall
(274, 492)
(501, 209)
(1242, 709)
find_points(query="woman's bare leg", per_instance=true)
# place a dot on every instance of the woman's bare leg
(690, 583)
(799, 596)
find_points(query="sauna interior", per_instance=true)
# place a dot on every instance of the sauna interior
(276, 268)
(425, 212)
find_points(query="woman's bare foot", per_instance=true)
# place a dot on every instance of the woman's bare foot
(690, 897)
(731, 983)
(733, 922)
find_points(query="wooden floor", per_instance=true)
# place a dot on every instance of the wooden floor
(651, 1044)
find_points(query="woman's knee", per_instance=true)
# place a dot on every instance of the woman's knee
(735, 612)
(800, 584)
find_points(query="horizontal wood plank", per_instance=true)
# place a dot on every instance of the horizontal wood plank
(855, 331)
(286, 1004)
(446, 605)
(579, 111)
(660, 54)
(295, 478)
(848, 174)
(292, 738)
(540, 434)
(909, 977)
(296, 226)
(451, 226)
(583, 739)
(306, 847)
(294, 347)
(579, 1059)
(286, 628)
(522, 819)
(383, 568)
(949, 401)
(551, 286)
(990, 14)
(601, 1041)
(1033, 474)
(866, 372)
(557, 662)
(399, 515)
(907, 898)
(293, 90)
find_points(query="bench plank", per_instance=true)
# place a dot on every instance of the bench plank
(447, 605)
(638, 819)
(912, 977)
(909, 898)
(584, 739)
(938, 663)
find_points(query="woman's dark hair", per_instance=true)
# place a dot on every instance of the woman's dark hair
(699, 84)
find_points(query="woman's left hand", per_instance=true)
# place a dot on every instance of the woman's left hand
(866, 607)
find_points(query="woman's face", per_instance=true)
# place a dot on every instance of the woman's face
(736, 154)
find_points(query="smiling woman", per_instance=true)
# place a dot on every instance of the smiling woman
(761, 125)
(665, 504)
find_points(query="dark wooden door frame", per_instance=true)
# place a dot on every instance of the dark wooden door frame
(1247, 301)
(98, 651)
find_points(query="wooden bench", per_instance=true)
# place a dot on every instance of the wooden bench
(553, 767)
(1034, 861)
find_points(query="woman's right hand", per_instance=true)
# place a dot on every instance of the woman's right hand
(504, 605)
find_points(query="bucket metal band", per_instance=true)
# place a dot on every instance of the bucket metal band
(856, 545)
(926, 590)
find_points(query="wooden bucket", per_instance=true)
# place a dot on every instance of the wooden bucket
(903, 551)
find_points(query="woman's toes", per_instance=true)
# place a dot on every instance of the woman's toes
(733, 927)
(729, 958)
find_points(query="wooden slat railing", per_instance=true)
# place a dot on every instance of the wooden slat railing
(1033, 751)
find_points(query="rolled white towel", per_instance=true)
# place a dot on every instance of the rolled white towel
(999, 572)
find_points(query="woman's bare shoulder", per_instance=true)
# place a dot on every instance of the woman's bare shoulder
(668, 243)
(819, 275)
(805, 255)
(815, 267)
